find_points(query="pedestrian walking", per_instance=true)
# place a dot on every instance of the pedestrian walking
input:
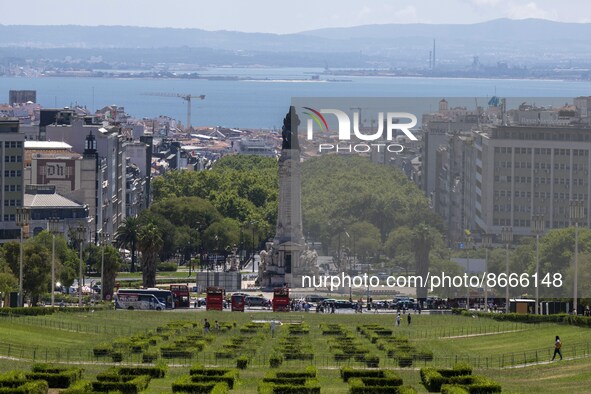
(206, 326)
(409, 318)
(216, 326)
(398, 320)
(557, 346)
(272, 328)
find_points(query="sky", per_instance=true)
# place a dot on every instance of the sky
(282, 17)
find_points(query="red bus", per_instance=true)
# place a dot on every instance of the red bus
(238, 301)
(281, 299)
(181, 296)
(215, 299)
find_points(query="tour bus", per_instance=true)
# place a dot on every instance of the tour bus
(281, 299)
(164, 296)
(238, 302)
(181, 296)
(215, 299)
(139, 301)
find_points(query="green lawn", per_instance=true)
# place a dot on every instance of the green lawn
(486, 344)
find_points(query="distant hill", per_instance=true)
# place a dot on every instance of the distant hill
(520, 42)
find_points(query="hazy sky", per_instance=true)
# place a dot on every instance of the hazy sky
(281, 16)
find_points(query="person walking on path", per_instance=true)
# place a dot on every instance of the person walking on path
(272, 328)
(557, 346)
(206, 326)
(409, 318)
(398, 320)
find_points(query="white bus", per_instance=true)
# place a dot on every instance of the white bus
(138, 301)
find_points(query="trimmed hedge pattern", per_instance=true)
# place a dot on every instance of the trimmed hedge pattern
(458, 380)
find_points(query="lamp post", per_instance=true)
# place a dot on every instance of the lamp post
(104, 241)
(577, 214)
(507, 238)
(486, 243)
(22, 221)
(80, 233)
(468, 235)
(52, 226)
(253, 224)
(538, 225)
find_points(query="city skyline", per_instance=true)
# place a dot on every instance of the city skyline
(273, 17)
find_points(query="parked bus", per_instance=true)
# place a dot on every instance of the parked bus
(138, 301)
(181, 296)
(238, 302)
(215, 299)
(281, 299)
(164, 296)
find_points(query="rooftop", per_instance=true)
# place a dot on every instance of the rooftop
(47, 145)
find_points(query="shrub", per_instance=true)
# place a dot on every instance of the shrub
(149, 357)
(166, 267)
(404, 360)
(175, 352)
(453, 389)
(275, 360)
(348, 373)
(310, 387)
(60, 380)
(186, 385)
(102, 350)
(80, 387)
(242, 362)
(371, 361)
(309, 372)
(363, 386)
(134, 385)
(153, 372)
(432, 379)
(117, 356)
(36, 387)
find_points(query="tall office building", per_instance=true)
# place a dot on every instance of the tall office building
(521, 171)
(12, 149)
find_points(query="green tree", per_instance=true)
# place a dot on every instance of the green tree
(127, 237)
(112, 263)
(149, 244)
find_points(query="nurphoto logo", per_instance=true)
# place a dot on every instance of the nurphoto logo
(347, 130)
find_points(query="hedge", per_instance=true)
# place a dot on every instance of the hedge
(134, 385)
(359, 386)
(35, 387)
(153, 372)
(309, 372)
(229, 378)
(242, 362)
(59, 380)
(149, 357)
(275, 360)
(453, 389)
(102, 350)
(41, 310)
(185, 385)
(580, 321)
(434, 379)
(348, 373)
(80, 387)
(310, 387)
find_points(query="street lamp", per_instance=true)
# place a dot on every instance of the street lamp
(507, 238)
(538, 225)
(80, 233)
(253, 224)
(486, 243)
(104, 237)
(53, 228)
(468, 235)
(577, 214)
(22, 221)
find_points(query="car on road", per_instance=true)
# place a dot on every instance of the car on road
(339, 304)
(314, 298)
(257, 301)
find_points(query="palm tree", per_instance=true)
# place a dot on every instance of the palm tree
(423, 240)
(149, 243)
(127, 237)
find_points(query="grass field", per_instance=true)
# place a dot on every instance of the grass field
(515, 355)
